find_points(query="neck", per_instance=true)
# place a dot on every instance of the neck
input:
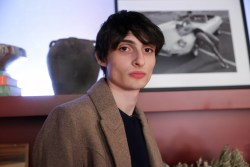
(125, 99)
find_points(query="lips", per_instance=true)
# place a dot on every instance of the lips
(137, 75)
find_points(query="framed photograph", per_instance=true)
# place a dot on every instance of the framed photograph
(206, 43)
(14, 155)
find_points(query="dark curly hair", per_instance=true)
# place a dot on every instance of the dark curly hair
(117, 26)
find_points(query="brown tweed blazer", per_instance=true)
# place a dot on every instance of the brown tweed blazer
(89, 132)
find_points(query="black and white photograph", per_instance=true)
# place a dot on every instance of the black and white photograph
(196, 42)
(205, 43)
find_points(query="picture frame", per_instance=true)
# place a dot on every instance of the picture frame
(14, 155)
(181, 69)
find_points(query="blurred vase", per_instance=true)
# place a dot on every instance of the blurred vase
(8, 54)
(71, 65)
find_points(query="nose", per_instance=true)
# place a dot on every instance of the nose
(139, 59)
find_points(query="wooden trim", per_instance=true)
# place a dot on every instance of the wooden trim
(195, 100)
(148, 102)
(31, 105)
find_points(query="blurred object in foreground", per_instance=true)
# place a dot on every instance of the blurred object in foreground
(8, 54)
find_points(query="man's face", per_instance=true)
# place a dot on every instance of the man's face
(131, 64)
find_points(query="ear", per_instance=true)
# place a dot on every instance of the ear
(100, 62)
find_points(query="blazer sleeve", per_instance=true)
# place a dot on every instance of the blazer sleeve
(55, 145)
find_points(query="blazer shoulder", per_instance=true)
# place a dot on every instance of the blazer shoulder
(81, 108)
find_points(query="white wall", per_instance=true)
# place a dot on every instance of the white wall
(33, 24)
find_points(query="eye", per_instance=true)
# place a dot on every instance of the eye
(149, 50)
(124, 48)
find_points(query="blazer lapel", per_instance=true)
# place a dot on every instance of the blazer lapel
(153, 151)
(117, 143)
(111, 123)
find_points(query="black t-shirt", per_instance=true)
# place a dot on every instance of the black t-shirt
(136, 141)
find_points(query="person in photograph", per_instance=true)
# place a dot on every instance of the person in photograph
(211, 41)
(104, 127)
(202, 37)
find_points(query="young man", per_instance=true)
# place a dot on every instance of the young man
(104, 128)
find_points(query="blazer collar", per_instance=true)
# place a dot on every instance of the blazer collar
(113, 128)
(153, 151)
(111, 122)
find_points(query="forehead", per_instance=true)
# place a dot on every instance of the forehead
(130, 35)
(131, 38)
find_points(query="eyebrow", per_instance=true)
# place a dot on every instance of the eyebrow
(128, 41)
(132, 42)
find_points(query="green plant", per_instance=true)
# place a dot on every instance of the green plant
(228, 158)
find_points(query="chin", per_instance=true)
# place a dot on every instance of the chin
(141, 86)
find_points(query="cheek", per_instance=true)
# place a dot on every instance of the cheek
(152, 62)
(113, 67)
(119, 64)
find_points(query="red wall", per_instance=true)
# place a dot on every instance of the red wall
(186, 124)
(187, 136)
